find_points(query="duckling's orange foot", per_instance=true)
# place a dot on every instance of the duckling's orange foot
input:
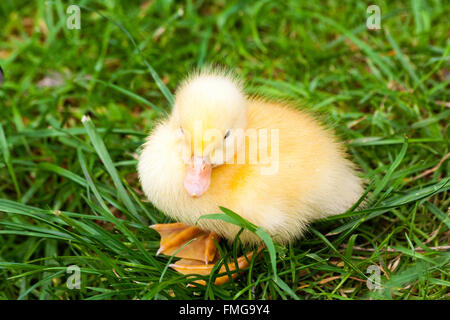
(188, 266)
(197, 250)
(187, 242)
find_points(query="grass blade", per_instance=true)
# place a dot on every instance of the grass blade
(100, 147)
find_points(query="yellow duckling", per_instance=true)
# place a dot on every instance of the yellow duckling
(274, 165)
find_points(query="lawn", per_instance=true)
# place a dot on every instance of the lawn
(69, 192)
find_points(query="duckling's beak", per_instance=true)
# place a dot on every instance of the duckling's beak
(198, 176)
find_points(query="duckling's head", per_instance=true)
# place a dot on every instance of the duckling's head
(209, 112)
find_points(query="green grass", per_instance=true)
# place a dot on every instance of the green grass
(69, 193)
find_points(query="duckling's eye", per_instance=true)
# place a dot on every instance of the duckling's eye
(180, 133)
(227, 134)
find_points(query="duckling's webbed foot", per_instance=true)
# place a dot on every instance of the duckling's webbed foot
(197, 250)
(187, 242)
(187, 266)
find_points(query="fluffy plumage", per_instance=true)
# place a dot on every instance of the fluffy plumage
(311, 177)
